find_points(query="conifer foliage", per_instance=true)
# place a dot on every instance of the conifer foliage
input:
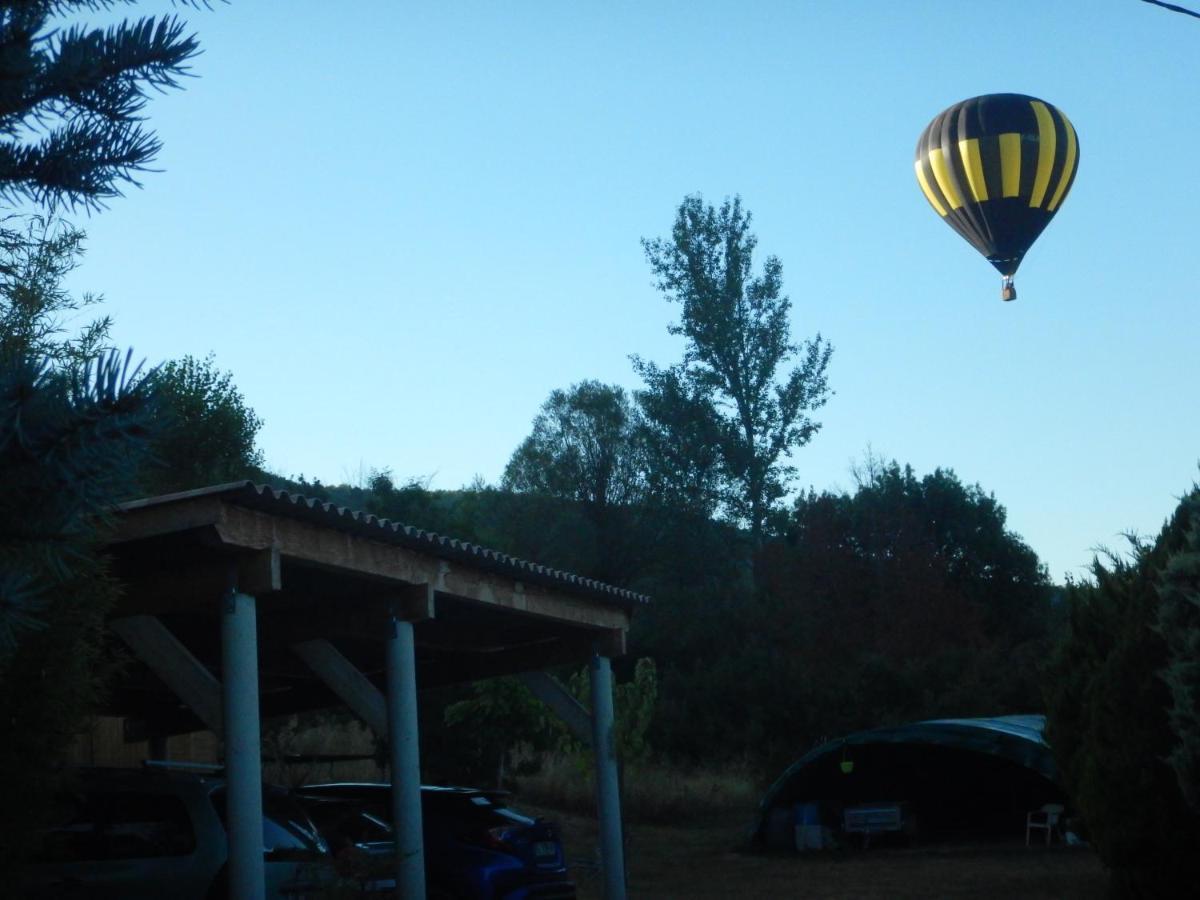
(71, 99)
(73, 415)
(1121, 710)
(69, 444)
(1179, 624)
(71, 440)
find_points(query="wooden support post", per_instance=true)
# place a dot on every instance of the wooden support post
(353, 687)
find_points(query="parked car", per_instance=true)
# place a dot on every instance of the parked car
(146, 834)
(476, 846)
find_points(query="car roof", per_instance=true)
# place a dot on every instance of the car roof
(359, 788)
(367, 786)
(115, 778)
(121, 777)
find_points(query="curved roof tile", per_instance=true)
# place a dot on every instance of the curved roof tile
(285, 503)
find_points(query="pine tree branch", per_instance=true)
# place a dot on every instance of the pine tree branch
(1173, 8)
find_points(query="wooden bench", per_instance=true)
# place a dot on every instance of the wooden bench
(872, 818)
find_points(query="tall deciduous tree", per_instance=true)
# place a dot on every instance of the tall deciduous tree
(204, 430)
(71, 99)
(587, 445)
(738, 347)
(914, 588)
(682, 443)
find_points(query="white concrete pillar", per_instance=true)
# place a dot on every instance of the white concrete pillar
(405, 760)
(608, 795)
(243, 746)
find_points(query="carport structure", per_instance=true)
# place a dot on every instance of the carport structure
(242, 601)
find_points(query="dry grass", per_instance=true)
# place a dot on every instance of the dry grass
(704, 858)
(649, 793)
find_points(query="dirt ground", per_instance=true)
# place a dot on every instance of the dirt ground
(702, 859)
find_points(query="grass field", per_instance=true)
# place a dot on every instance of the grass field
(702, 858)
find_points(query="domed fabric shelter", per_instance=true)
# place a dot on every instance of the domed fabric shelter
(952, 778)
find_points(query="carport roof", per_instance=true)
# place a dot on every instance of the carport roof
(324, 573)
(285, 503)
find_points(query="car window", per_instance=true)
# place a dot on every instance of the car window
(285, 827)
(117, 825)
(345, 822)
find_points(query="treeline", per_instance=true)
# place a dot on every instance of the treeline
(907, 598)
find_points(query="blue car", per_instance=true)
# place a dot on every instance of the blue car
(476, 846)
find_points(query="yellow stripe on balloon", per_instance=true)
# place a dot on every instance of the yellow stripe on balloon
(1010, 164)
(928, 191)
(1046, 145)
(937, 162)
(973, 165)
(1068, 165)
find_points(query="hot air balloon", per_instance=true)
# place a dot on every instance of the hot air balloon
(996, 168)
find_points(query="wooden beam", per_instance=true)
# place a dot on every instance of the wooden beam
(413, 603)
(140, 522)
(459, 667)
(340, 675)
(174, 664)
(199, 585)
(611, 643)
(258, 572)
(562, 702)
(339, 550)
(287, 624)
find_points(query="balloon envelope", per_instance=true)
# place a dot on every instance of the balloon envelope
(996, 168)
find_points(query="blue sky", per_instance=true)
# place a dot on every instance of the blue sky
(401, 225)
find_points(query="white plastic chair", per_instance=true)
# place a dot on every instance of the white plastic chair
(1045, 818)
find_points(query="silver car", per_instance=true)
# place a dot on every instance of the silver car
(146, 834)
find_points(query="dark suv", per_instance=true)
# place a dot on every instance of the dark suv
(475, 845)
(145, 834)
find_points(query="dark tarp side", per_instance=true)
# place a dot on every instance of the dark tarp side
(1017, 739)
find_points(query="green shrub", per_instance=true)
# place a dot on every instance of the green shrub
(1179, 624)
(1110, 726)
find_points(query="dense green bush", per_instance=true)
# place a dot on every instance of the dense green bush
(1109, 717)
(70, 442)
(1179, 624)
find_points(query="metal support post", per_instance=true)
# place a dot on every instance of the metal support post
(608, 796)
(243, 746)
(405, 760)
